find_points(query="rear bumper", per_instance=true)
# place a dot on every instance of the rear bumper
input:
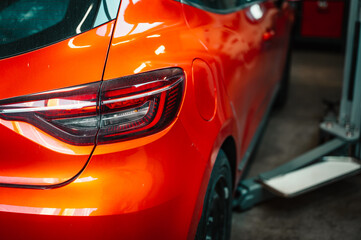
(148, 191)
(159, 222)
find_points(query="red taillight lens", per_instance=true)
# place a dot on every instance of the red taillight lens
(139, 105)
(130, 107)
(68, 114)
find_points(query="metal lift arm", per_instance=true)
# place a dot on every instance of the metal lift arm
(312, 169)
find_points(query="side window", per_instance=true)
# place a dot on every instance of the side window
(26, 25)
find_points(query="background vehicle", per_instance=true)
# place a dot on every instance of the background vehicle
(321, 22)
(135, 122)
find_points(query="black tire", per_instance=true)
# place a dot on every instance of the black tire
(282, 94)
(216, 217)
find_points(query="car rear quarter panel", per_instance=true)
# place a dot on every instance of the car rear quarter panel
(29, 156)
(248, 66)
(161, 38)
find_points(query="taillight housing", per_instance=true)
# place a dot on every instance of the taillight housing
(108, 111)
(68, 114)
(139, 105)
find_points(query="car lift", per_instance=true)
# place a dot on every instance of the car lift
(328, 162)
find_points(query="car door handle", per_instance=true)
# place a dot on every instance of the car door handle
(268, 35)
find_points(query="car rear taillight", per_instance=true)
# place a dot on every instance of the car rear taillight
(124, 108)
(68, 114)
(139, 105)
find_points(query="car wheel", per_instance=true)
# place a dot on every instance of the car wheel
(215, 223)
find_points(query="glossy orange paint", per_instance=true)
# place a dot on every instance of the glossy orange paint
(154, 186)
(30, 156)
(204, 88)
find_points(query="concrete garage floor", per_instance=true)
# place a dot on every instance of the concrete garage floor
(332, 212)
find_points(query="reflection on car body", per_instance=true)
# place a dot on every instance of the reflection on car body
(132, 122)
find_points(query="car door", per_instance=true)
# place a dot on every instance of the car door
(240, 36)
(282, 21)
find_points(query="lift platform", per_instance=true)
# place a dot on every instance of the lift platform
(328, 162)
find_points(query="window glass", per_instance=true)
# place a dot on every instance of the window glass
(30, 24)
(108, 10)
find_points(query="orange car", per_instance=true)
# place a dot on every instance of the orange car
(132, 119)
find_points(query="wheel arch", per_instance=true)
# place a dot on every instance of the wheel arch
(229, 148)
